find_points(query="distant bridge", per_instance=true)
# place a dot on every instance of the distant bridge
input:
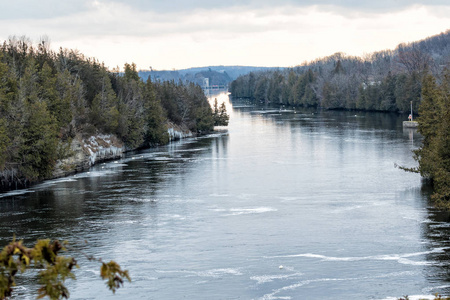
(215, 87)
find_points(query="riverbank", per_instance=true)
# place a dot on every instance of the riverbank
(85, 152)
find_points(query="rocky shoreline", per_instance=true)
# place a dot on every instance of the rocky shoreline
(84, 153)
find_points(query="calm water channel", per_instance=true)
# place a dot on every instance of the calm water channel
(215, 217)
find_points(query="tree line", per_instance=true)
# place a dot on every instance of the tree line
(48, 97)
(390, 80)
(434, 125)
(382, 81)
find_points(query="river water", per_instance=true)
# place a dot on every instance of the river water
(284, 205)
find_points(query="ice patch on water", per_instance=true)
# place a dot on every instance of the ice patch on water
(426, 221)
(429, 290)
(95, 174)
(347, 208)
(271, 111)
(291, 287)
(294, 286)
(51, 182)
(124, 222)
(219, 195)
(242, 106)
(141, 277)
(440, 225)
(248, 211)
(9, 213)
(115, 165)
(405, 261)
(287, 199)
(65, 179)
(400, 258)
(414, 297)
(218, 273)
(94, 271)
(269, 278)
(16, 193)
(417, 218)
(162, 158)
(289, 163)
(138, 199)
(244, 211)
(172, 217)
(213, 273)
(216, 135)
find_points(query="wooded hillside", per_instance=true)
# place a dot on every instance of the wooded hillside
(48, 97)
(383, 81)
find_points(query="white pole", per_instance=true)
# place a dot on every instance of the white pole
(411, 112)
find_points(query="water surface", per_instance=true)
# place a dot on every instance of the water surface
(215, 217)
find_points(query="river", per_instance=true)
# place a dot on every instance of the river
(285, 204)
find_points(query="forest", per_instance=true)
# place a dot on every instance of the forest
(386, 80)
(48, 97)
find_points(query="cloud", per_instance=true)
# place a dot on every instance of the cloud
(196, 33)
(42, 9)
(117, 19)
(365, 6)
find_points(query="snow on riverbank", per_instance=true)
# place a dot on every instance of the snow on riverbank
(88, 151)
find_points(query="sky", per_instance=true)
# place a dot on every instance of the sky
(178, 34)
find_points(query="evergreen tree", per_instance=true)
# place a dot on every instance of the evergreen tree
(6, 100)
(338, 69)
(220, 115)
(204, 120)
(38, 153)
(430, 110)
(309, 97)
(28, 90)
(8, 88)
(388, 93)
(104, 112)
(197, 110)
(4, 143)
(361, 101)
(260, 93)
(215, 111)
(51, 90)
(434, 125)
(250, 86)
(408, 89)
(275, 88)
(66, 97)
(223, 116)
(131, 73)
(299, 90)
(156, 132)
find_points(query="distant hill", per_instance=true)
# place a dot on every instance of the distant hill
(217, 75)
(387, 80)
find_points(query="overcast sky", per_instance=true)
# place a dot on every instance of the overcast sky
(176, 34)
